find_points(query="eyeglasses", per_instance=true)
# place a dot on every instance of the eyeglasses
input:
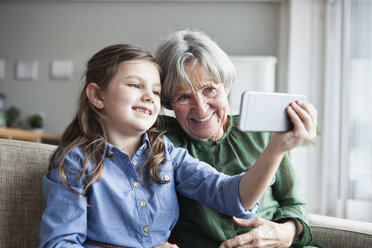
(187, 97)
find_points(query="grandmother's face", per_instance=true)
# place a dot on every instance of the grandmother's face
(201, 110)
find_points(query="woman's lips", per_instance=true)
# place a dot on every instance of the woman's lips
(201, 120)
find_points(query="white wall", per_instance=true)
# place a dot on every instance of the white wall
(47, 30)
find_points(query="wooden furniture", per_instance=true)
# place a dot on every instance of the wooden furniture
(26, 135)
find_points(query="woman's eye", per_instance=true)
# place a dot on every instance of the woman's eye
(183, 99)
(209, 91)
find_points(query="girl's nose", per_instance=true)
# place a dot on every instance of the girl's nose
(149, 96)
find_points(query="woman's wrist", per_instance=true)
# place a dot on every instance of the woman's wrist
(274, 149)
(293, 225)
(288, 230)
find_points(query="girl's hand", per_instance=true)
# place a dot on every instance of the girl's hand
(304, 118)
(167, 245)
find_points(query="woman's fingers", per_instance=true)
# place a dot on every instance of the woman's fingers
(298, 125)
(245, 222)
(310, 109)
(304, 119)
(303, 114)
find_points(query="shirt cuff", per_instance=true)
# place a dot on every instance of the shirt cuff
(238, 211)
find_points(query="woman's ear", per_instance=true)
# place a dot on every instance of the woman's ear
(94, 95)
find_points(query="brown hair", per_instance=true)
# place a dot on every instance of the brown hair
(87, 128)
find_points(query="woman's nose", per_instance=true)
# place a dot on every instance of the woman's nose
(200, 105)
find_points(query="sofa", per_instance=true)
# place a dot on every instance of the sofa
(21, 202)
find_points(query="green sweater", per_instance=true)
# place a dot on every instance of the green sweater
(235, 152)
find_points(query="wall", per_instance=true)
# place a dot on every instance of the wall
(46, 30)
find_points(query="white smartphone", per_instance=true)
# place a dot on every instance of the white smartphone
(266, 112)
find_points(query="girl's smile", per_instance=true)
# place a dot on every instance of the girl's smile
(143, 110)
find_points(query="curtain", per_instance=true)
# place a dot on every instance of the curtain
(347, 150)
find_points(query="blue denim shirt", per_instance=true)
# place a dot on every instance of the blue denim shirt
(121, 210)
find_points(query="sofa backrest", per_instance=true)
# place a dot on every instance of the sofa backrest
(21, 195)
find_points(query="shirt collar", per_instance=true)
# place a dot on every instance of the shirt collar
(144, 144)
(145, 141)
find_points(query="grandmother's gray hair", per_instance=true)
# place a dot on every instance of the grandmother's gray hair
(188, 47)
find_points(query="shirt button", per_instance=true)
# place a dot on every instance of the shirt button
(145, 147)
(166, 178)
(136, 184)
(134, 162)
(142, 203)
(146, 229)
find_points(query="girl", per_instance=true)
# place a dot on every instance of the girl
(112, 181)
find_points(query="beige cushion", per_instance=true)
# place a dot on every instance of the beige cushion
(337, 232)
(21, 196)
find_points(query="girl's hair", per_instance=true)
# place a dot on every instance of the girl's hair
(87, 128)
(183, 48)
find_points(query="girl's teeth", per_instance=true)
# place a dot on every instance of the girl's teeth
(143, 111)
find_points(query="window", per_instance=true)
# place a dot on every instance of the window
(348, 141)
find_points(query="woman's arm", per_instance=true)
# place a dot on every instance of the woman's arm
(257, 178)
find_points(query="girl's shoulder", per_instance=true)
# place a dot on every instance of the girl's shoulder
(172, 150)
(168, 144)
(71, 163)
(72, 160)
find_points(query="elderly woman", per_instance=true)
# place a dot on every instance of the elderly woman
(197, 76)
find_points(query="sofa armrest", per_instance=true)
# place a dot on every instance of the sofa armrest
(338, 232)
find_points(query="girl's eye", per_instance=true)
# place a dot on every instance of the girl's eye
(156, 92)
(135, 85)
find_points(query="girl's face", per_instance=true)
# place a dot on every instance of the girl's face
(201, 110)
(131, 100)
